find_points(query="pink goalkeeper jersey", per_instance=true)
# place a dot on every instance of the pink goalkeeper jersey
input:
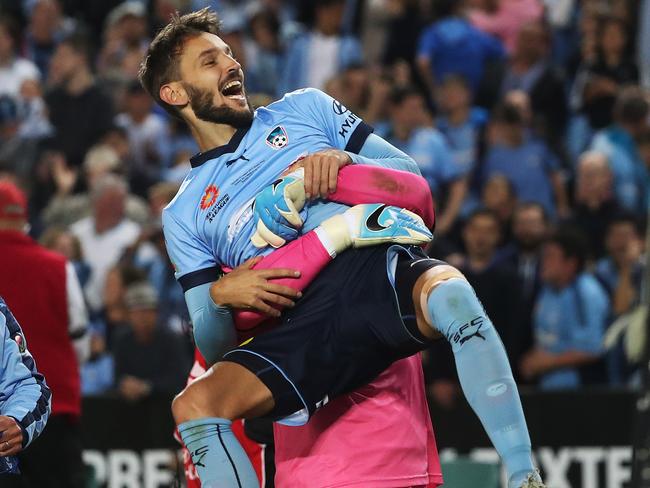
(379, 436)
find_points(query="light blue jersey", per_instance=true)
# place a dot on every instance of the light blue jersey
(209, 223)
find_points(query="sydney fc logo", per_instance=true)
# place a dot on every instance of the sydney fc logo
(278, 138)
(209, 197)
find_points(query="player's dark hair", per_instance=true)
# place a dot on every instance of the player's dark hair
(573, 244)
(161, 63)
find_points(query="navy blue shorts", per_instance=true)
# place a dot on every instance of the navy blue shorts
(349, 326)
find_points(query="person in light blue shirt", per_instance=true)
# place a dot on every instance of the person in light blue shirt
(453, 45)
(408, 131)
(25, 399)
(569, 318)
(526, 161)
(316, 56)
(617, 142)
(461, 123)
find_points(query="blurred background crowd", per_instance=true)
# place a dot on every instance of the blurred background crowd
(529, 118)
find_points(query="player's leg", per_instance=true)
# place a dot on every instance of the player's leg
(313, 251)
(445, 304)
(359, 183)
(204, 412)
(254, 450)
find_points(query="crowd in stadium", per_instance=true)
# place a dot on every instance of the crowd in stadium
(528, 118)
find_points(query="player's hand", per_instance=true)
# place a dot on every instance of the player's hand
(11, 436)
(279, 211)
(322, 170)
(251, 289)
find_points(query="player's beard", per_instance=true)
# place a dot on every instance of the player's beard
(204, 108)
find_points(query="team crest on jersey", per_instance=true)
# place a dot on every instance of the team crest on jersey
(278, 138)
(209, 197)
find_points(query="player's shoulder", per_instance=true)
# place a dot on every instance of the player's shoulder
(301, 96)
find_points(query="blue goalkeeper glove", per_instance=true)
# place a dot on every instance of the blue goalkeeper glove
(279, 211)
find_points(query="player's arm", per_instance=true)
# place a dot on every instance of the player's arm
(26, 402)
(197, 270)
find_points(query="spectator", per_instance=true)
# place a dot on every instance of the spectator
(529, 70)
(570, 318)
(499, 197)
(98, 374)
(600, 79)
(138, 379)
(47, 27)
(148, 138)
(263, 54)
(408, 132)
(621, 273)
(125, 41)
(594, 197)
(617, 142)
(404, 24)
(317, 55)
(63, 242)
(26, 399)
(14, 70)
(66, 207)
(530, 227)
(453, 46)
(79, 111)
(113, 318)
(18, 153)
(105, 234)
(42, 289)
(462, 124)
(504, 18)
(526, 162)
(621, 270)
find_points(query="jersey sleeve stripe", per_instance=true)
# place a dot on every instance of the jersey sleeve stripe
(199, 277)
(358, 138)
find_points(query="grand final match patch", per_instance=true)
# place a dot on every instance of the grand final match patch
(278, 138)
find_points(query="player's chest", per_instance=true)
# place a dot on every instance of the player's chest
(231, 185)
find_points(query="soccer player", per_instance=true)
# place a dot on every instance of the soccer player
(367, 309)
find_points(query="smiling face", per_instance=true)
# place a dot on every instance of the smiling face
(211, 85)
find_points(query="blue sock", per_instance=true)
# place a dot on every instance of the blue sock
(217, 455)
(484, 372)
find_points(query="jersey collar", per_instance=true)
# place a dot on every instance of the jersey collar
(230, 147)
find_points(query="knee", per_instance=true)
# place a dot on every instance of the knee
(182, 406)
(447, 297)
(191, 404)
